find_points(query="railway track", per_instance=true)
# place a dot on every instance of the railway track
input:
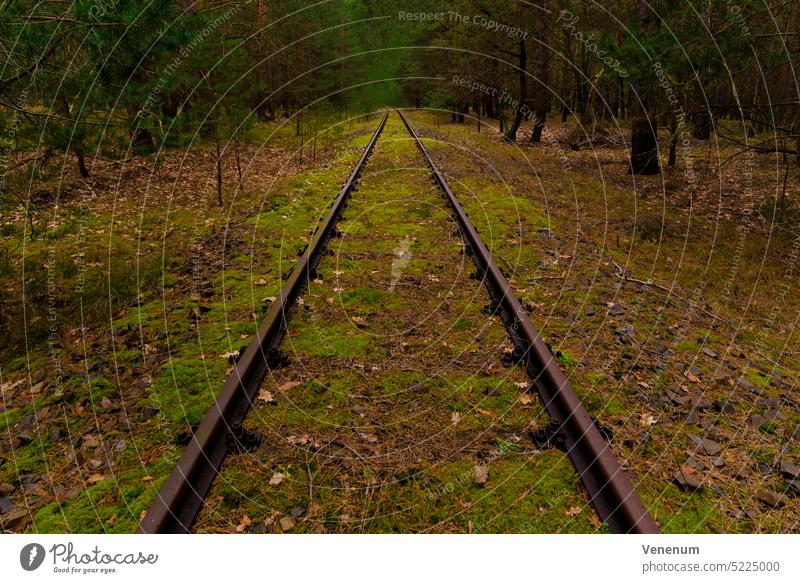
(182, 496)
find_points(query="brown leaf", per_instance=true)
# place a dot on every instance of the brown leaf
(94, 478)
(289, 385)
(246, 521)
(265, 396)
(480, 475)
(276, 479)
(574, 511)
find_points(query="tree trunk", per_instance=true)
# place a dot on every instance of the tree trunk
(701, 125)
(141, 138)
(644, 128)
(511, 134)
(543, 89)
(82, 163)
(219, 166)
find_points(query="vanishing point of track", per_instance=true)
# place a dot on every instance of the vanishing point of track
(182, 496)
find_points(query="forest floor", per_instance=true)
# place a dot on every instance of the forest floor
(674, 322)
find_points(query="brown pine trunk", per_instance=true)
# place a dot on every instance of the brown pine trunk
(644, 128)
(511, 134)
(543, 89)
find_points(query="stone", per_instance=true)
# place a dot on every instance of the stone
(747, 385)
(793, 486)
(419, 388)
(708, 352)
(688, 479)
(625, 333)
(6, 505)
(615, 310)
(492, 392)
(770, 497)
(702, 405)
(725, 407)
(711, 447)
(721, 374)
(287, 523)
(590, 311)
(788, 468)
(358, 410)
(774, 415)
(13, 519)
(757, 421)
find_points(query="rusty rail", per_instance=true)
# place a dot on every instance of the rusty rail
(182, 495)
(609, 489)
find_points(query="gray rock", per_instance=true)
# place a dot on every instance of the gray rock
(763, 468)
(6, 505)
(774, 415)
(708, 352)
(721, 374)
(358, 409)
(711, 447)
(6, 489)
(747, 385)
(13, 519)
(757, 421)
(688, 479)
(788, 468)
(770, 497)
(419, 388)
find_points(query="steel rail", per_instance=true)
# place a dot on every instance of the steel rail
(609, 489)
(182, 496)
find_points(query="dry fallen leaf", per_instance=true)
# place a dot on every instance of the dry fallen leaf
(276, 479)
(575, 510)
(289, 385)
(646, 419)
(525, 399)
(455, 417)
(246, 521)
(94, 478)
(265, 396)
(480, 475)
(692, 377)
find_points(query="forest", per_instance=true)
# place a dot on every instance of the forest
(168, 168)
